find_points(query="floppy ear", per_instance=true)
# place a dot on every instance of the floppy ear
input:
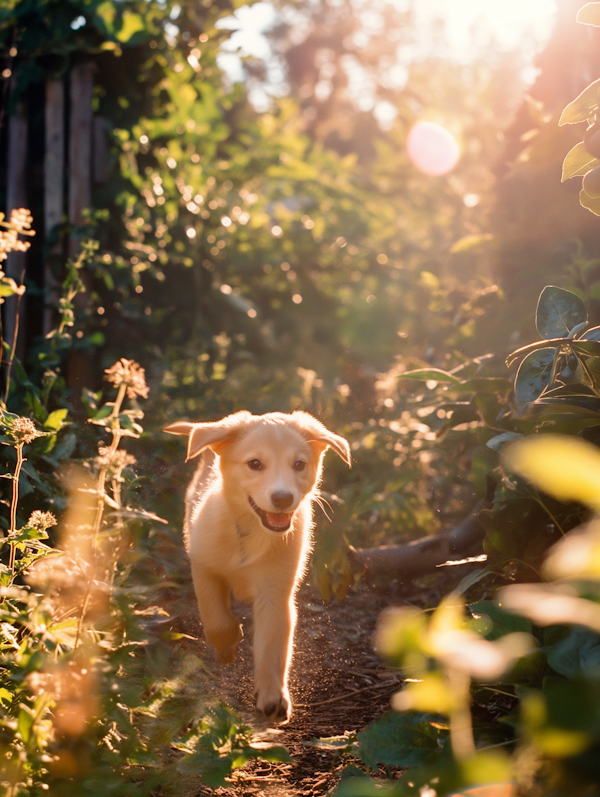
(320, 437)
(209, 435)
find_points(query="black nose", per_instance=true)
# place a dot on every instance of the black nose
(281, 499)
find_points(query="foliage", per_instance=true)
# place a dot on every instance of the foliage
(498, 680)
(556, 388)
(583, 159)
(246, 259)
(93, 691)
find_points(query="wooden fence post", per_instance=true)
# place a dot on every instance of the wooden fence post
(16, 197)
(80, 367)
(80, 144)
(54, 167)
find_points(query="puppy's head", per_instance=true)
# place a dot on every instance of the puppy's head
(269, 463)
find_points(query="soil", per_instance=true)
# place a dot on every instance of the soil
(338, 685)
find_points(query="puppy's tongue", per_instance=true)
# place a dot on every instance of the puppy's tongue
(280, 520)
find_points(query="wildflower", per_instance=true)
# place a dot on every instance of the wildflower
(21, 219)
(19, 224)
(22, 431)
(130, 373)
(41, 521)
(116, 461)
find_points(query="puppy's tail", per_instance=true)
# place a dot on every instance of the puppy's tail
(200, 481)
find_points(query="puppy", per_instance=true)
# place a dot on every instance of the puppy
(247, 530)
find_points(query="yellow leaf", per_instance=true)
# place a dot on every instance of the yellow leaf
(468, 243)
(577, 555)
(432, 693)
(566, 467)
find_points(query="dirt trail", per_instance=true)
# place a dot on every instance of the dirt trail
(338, 684)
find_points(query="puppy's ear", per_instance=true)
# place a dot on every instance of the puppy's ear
(209, 435)
(320, 437)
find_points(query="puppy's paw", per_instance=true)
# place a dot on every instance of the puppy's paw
(277, 708)
(226, 655)
(225, 641)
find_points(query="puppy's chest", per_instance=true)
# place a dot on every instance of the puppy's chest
(250, 547)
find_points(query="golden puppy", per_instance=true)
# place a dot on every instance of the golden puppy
(247, 529)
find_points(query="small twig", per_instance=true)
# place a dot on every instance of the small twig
(496, 691)
(13, 506)
(351, 693)
(116, 439)
(500, 744)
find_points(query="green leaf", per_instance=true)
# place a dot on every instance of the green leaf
(589, 14)
(103, 412)
(485, 384)
(132, 24)
(590, 203)
(212, 768)
(591, 348)
(335, 744)
(29, 533)
(577, 652)
(406, 739)
(558, 312)
(577, 405)
(25, 722)
(502, 622)
(54, 421)
(533, 376)
(106, 12)
(461, 413)
(273, 753)
(496, 443)
(583, 106)
(426, 374)
(591, 334)
(578, 162)
(540, 344)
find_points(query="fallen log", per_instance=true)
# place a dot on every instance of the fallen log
(419, 557)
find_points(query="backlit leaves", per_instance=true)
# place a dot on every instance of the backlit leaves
(583, 107)
(589, 14)
(558, 312)
(578, 162)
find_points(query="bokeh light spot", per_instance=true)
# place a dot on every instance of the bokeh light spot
(432, 149)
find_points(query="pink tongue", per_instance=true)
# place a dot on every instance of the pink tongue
(279, 519)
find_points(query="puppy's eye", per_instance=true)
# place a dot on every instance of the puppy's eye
(255, 464)
(299, 465)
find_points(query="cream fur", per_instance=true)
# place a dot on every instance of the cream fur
(231, 550)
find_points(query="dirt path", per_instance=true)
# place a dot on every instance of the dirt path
(338, 684)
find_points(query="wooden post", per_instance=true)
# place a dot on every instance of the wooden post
(54, 167)
(80, 144)
(101, 161)
(16, 197)
(80, 367)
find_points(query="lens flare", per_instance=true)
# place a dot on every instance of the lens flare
(432, 149)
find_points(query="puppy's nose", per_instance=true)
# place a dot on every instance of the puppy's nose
(281, 499)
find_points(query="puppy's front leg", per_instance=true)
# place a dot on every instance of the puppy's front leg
(274, 622)
(221, 628)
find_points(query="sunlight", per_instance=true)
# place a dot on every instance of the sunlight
(432, 149)
(507, 22)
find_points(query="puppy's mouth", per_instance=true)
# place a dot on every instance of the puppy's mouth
(274, 521)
